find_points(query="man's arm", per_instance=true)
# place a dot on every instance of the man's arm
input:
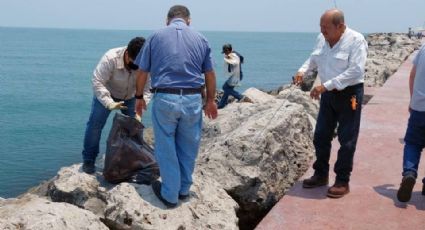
(412, 79)
(309, 65)
(141, 77)
(210, 105)
(232, 59)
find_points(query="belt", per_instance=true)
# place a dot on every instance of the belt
(348, 88)
(182, 91)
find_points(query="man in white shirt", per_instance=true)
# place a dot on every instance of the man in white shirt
(340, 58)
(114, 87)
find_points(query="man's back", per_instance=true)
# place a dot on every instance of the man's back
(178, 57)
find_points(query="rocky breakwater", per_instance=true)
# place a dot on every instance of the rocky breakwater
(249, 157)
(387, 51)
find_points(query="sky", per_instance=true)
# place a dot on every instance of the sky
(365, 16)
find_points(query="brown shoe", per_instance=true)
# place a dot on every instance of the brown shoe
(315, 181)
(338, 190)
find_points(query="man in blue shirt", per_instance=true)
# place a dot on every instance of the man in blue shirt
(176, 57)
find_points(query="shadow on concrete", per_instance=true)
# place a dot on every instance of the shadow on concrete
(390, 191)
(310, 193)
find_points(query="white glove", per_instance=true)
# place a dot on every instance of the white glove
(138, 118)
(116, 105)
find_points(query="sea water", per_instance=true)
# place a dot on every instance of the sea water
(45, 90)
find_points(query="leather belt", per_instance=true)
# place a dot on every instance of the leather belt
(181, 91)
(348, 88)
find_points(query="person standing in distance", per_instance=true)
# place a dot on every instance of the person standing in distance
(114, 87)
(176, 57)
(340, 58)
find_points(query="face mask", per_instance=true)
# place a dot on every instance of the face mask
(133, 66)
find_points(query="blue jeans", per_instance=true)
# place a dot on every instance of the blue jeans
(177, 124)
(98, 117)
(228, 90)
(414, 143)
(335, 107)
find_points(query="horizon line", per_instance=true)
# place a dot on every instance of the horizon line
(230, 31)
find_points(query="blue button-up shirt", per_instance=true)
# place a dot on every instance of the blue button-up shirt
(176, 57)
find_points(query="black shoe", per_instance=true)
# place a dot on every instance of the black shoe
(315, 181)
(156, 187)
(88, 167)
(183, 197)
(405, 191)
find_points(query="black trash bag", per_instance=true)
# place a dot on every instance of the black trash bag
(128, 157)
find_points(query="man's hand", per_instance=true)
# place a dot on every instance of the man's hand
(298, 78)
(315, 93)
(116, 105)
(210, 110)
(140, 106)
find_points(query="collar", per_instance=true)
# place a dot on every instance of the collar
(120, 58)
(178, 22)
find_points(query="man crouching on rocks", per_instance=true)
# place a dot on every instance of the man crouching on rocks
(340, 58)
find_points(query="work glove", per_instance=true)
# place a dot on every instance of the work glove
(116, 105)
(138, 118)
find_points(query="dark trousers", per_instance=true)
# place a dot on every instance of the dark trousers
(228, 90)
(414, 143)
(336, 108)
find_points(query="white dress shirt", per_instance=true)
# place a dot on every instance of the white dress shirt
(112, 79)
(342, 65)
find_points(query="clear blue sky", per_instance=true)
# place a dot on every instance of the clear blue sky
(214, 15)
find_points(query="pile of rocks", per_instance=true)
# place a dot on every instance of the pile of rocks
(249, 157)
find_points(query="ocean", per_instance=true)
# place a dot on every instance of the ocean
(45, 90)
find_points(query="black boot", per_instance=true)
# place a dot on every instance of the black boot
(315, 181)
(88, 167)
(405, 191)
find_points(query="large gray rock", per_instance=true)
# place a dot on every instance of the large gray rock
(35, 213)
(257, 151)
(133, 206)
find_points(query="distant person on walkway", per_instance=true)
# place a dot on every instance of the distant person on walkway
(410, 33)
(339, 57)
(177, 57)
(114, 86)
(415, 134)
(233, 70)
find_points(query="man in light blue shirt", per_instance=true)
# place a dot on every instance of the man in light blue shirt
(176, 57)
(415, 134)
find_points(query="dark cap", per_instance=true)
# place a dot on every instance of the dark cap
(226, 47)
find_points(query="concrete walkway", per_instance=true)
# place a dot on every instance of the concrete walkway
(372, 202)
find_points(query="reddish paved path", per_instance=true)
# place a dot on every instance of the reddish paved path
(372, 202)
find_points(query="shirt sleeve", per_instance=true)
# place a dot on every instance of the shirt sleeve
(309, 65)
(207, 65)
(232, 62)
(101, 76)
(355, 70)
(416, 59)
(143, 59)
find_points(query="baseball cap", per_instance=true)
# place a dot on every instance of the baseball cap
(226, 47)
